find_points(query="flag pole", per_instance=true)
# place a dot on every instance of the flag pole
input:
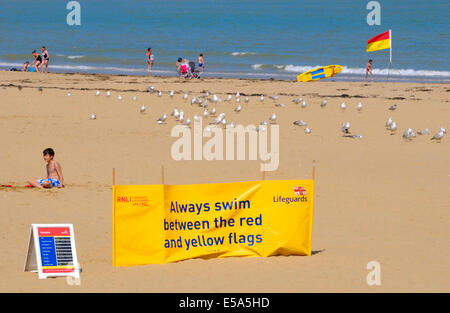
(390, 52)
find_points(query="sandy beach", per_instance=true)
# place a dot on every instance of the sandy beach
(379, 198)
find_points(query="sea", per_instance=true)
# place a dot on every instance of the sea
(258, 39)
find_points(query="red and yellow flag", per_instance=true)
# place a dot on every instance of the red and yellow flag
(379, 42)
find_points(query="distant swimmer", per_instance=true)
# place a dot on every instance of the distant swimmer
(369, 70)
(54, 174)
(45, 59)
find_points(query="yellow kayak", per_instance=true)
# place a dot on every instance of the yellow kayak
(319, 73)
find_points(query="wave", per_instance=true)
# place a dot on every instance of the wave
(359, 71)
(88, 68)
(242, 53)
(258, 70)
(75, 56)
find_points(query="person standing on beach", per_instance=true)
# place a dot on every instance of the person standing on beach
(54, 174)
(46, 58)
(369, 70)
(37, 61)
(150, 58)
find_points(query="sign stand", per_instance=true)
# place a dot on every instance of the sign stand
(51, 251)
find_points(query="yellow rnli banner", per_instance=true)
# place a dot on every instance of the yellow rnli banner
(154, 224)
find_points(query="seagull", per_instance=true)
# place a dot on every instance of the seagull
(261, 128)
(323, 103)
(345, 128)
(358, 136)
(185, 96)
(438, 136)
(151, 89)
(443, 130)
(426, 131)
(134, 98)
(216, 121)
(68, 94)
(246, 99)
(393, 127)
(196, 118)
(181, 118)
(162, 119)
(238, 95)
(171, 93)
(228, 98)
(273, 118)
(224, 122)
(142, 109)
(232, 125)
(389, 122)
(207, 129)
(307, 130)
(343, 106)
(108, 93)
(119, 97)
(297, 100)
(408, 134)
(188, 122)
(238, 99)
(393, 107)
(174, 111)
(359, 106)
(205, 104)
(159, 93)
(97, 93)
(193, 100)
(262, 98)
(213, 111)
(282, 105)
(93, 116)
(304, 104)
(238, 108)
(205, 113)
(273, 97)
(215, 98)
(300, 123)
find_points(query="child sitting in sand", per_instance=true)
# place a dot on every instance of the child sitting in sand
(54, 173)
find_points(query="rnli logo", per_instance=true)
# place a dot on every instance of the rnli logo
(135, 200)
(300, 191)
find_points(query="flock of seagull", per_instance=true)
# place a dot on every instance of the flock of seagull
(207, 101)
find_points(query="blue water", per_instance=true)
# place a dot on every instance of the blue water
(257, 39)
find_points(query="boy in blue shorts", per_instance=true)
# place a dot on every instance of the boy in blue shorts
(54, 173)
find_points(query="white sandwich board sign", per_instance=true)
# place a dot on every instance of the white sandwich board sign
(51, 251)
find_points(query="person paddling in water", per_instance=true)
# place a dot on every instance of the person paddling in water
(150, 58)
(46, 58)
(369, 70)
(37, 61)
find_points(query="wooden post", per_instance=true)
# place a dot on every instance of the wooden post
(162, 174)
(314, 170)
(114, 176)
